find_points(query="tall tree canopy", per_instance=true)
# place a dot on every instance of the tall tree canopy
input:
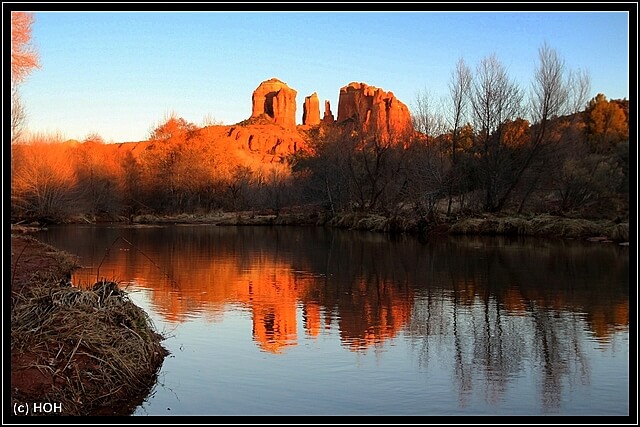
(24, 56)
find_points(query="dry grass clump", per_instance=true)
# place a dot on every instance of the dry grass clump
(94, 350)
(401, 224)
(343, 220)
(541, 226)
(512, 226)
(373, 222)
(35, 262)
(21, 229)
(468, 226)
(549, 225)
(619, 232)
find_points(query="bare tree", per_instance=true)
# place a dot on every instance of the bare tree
(24, 58)
(369, 169)
(549, 91)
(553, 94)
(18, 115)
(426, 117)
(325, 168)
(579, 87)
(237, 185)
(275, 188)
(459, 88)
(495, 99)
(97, 172)
(42, 181)
(426, 167)
(548, 99)
(210, 120)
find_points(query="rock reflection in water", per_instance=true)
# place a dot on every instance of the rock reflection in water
(498, 305)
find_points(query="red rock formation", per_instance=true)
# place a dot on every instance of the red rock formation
(311, 110)
(266, 142)
(328, 115)
(373, 109)
(277, 100)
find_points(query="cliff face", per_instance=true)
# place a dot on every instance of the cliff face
(277, 100)
(373, 110)
(311, 110)
(366, 108)
(328, 115)
(270, 136)
(267, 142)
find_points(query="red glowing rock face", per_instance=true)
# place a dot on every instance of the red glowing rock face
(311, 110)
(375, 110)
(365, 108)
(276, 100)
(328, 115)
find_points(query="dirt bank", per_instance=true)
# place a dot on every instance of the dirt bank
(85, 352)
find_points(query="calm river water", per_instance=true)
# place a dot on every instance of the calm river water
(310, 321)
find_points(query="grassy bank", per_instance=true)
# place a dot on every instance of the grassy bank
(539, 226)
(542, 225)
(91, 350)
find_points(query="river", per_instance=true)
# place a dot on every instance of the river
(315, 321)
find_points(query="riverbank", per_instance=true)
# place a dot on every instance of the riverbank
(542, 225)
(602, 230)
(85, 351)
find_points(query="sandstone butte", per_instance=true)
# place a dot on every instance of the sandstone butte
(311, 110)
(270, 134)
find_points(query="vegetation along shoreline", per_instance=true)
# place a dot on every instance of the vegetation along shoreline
(90, 351)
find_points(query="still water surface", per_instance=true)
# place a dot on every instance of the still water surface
(309, 321)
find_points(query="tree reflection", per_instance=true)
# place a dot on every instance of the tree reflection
(491, 306)
(495, 331)
(557, 348)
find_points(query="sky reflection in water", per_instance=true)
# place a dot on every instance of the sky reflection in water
(266, 320)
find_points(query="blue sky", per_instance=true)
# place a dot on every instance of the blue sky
(119, 74)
